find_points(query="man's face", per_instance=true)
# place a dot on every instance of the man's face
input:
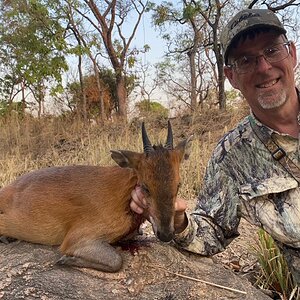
(267, 85)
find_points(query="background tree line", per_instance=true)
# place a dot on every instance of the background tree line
(42, 40)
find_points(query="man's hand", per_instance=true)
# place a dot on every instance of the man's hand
(139, 205)
(180, 219)
(138, 202)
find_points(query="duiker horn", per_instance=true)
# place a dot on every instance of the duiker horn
(169, 142)
(146, 142)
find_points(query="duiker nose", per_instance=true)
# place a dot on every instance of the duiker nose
(165, 236)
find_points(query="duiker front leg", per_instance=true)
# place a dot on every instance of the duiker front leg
(6, 239)
(96, 254)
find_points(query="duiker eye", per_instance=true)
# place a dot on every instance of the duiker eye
(145, 189)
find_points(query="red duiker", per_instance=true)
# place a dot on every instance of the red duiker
(85, 209)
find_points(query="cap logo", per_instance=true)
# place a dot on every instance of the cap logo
(242, 18)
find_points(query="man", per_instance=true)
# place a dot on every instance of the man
(253, 170)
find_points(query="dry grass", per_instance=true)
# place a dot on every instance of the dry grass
(30, 144)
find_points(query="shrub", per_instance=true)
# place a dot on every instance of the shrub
(152, 108)
(274, 274)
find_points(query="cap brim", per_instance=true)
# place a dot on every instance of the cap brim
(251, 27)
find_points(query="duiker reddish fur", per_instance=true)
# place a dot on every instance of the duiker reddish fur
(85, 209)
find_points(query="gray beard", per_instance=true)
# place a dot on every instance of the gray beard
(266, 100)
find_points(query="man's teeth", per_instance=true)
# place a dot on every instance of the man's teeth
(268, 84)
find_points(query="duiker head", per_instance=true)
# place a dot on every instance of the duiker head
(158, 174)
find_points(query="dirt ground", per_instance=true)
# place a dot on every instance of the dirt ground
(239, 255)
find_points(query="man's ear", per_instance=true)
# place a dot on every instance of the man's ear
(230, 76)
(293, 52)
(126, 159)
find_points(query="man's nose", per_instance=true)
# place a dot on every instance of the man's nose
(262, 63)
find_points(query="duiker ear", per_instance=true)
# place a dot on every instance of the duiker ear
(184, 148)
(126, 159)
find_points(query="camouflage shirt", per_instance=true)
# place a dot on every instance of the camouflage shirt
(243, 180)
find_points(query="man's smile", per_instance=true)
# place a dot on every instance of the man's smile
(267, 84)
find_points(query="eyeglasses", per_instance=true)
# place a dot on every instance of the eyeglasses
(273, 54)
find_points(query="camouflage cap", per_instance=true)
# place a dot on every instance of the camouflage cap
(245, 20)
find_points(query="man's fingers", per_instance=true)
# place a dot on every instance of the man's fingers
(138, 203)
(136, 208)
(138, 197)
(180, 205)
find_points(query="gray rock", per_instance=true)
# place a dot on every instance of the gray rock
(151, 270)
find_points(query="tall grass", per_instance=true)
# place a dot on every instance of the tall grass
(274, 274)
(28, 144)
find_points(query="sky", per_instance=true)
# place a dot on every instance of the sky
(147, 34)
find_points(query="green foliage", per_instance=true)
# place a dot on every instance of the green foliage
(32, 42)
(153, 108)
(109, 77)
(74, 93)
(191, 10)
(232, 95)
(146, 48)
(108, 81)
(7, 108)
(131, 60)
(6, 85)
(167, 12)
(163, 13)
(274, 273)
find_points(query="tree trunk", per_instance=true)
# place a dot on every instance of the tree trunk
(40, 97)
(191, 55)
(39, 107)
(82, 91)
(23, 97)
(101, 102)
(122, 97)
(221, 81)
